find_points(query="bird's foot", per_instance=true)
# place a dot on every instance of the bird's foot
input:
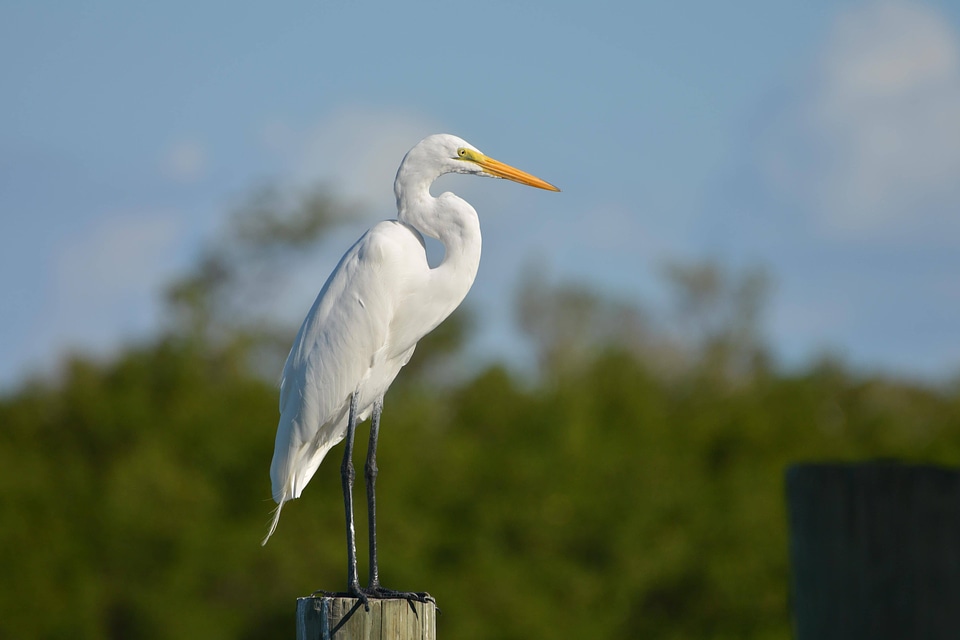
(377, 593)
(381, 593)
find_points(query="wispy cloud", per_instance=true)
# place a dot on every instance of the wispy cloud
(185, 161)
(107, 278)
(873, 144)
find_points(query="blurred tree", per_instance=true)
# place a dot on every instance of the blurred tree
(718, 314)
(569, 324)
(716, 320)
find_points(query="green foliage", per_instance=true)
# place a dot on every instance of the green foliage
(607, 502)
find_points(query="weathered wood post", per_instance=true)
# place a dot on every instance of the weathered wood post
(875, 551)
(337, 618)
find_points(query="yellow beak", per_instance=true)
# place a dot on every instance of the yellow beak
(501, 170)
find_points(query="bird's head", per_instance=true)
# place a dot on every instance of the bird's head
(444, 153)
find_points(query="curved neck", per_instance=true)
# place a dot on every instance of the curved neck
(453, 222)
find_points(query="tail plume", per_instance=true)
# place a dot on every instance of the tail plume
(276, 518)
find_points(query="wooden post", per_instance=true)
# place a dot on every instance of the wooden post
(335, 618)
(875, 549)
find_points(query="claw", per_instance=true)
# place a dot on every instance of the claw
(354, 592)
(361, 595)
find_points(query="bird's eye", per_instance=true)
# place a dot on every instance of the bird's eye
(462, 152)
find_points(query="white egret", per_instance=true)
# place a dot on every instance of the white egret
(380, 300)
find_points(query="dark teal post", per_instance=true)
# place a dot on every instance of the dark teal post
(875, 551)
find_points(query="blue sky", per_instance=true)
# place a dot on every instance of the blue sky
(820, 140)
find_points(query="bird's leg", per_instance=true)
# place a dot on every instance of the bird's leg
(374, 590)
(370, 475)
(347, 476)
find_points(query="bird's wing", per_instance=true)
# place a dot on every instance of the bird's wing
(337, 348)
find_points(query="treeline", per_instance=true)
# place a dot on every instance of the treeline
(634, 489)
(609, 502)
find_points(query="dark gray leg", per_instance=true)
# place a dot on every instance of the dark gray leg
(347, 476)
(370, 475)
(374, 590)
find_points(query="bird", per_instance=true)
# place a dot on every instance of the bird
(378, 302)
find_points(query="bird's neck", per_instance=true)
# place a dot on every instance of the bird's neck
(453, 222)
